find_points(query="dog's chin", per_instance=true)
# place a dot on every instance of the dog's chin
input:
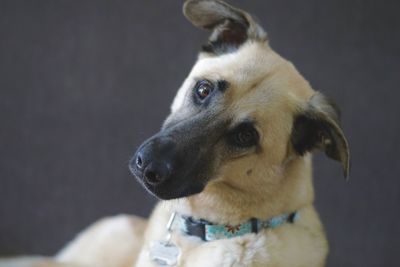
(168, 191)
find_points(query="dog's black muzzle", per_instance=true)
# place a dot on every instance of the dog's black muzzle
(177, 161)
(167, 168)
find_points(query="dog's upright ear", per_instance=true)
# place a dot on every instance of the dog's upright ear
(230, 26)
(317, 126)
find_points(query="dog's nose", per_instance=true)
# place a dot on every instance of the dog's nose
(155, 174)
(154, 170)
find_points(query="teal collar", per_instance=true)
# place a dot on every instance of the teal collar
(208, 231)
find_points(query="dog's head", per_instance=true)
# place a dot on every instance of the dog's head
(243, 113)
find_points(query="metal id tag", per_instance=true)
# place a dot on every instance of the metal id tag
(164, 253)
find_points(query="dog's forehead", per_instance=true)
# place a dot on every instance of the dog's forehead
(248, 68)
(249, 64)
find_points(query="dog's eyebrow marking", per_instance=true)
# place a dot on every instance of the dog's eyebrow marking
(222, 85)
(249, 171)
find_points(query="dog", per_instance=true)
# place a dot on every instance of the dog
(231, 164)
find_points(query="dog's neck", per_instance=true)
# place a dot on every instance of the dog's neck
(221, 203)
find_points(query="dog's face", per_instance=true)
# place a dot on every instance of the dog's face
(240, 116)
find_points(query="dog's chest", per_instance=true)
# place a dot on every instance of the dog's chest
(240, 251)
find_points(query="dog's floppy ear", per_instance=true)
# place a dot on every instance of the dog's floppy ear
(318, 126)
(230, 26)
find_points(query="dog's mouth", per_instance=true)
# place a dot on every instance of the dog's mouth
(167, 192)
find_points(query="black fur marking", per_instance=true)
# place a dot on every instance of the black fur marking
(219, 49)
(222, 85)
(306, 133)
(227, 37)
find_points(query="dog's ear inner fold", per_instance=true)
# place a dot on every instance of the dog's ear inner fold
(318, 127)
(231, 27)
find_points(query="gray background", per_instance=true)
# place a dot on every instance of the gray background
(82, 83)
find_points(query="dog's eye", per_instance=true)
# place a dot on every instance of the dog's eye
(204, 89)
(245, 135)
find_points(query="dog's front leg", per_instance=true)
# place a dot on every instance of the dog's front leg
(110, 242)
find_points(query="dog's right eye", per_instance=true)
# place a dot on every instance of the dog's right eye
(203, 89)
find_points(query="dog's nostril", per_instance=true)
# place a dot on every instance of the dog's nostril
(139, 162)
(153, 177)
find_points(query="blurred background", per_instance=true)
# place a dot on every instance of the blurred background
(82, 83)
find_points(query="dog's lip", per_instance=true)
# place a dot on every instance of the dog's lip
(139, 176)
(178, 192)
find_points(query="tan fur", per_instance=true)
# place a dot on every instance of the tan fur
(261, 183)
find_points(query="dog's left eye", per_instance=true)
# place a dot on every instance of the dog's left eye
(245, 135)
(204, 89)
